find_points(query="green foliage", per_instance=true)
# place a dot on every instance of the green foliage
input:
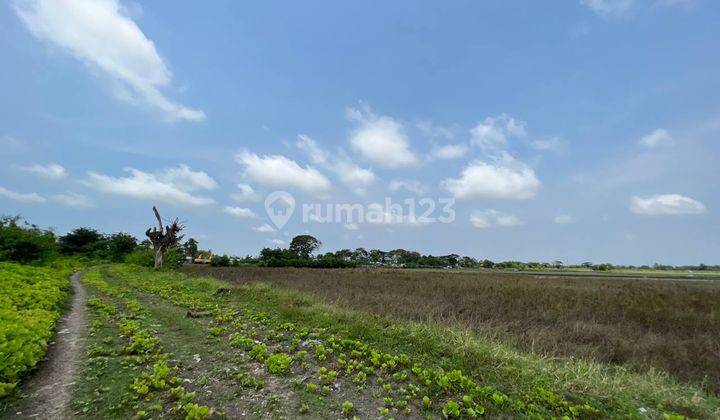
(347, 408)
(24, 243)
(80, 241)
(141, 257)
(451, 409)
(196, 412)
(30, 301)
(304, 245)
(279, 363)
(220, 261)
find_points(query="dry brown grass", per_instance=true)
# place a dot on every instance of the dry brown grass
(672, 325)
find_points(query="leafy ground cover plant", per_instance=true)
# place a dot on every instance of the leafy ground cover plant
(31, 299)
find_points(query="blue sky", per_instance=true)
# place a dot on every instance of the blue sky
(583, 130)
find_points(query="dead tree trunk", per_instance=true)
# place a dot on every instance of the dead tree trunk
(163, 238)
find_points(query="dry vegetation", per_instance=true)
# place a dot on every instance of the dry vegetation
(673, 325)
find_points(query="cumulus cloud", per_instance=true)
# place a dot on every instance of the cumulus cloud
(264, 228)
(502, 177)
(563, 219)
(245, 193)
(657, 138)
(350, 174)
(238, 212)
(172, 185)
(277, 171)
(483, 219)
(380, 139)
(493, 132)
(21, 197)
(277, 242)
(448, 151)
(102, 35)
(665, 205)
(73, 200)
(52, 171)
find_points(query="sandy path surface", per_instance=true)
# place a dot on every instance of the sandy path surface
(48, 392)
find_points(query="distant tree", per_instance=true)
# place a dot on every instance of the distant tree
(191, 248)
(220, 261)
(80, 241)
(377, 256)
(487, 264)
(118, 245)
(304, 245)
(468, 262)
(344, 254)
(145, 244)
(24, 243)
(164, 238)
(360, 255)
(558, 264)
(586, 264)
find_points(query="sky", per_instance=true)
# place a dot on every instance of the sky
(581, 130)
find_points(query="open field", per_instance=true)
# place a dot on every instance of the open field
(166, 344)
(669, 325)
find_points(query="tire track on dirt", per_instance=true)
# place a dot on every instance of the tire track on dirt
(48, 393)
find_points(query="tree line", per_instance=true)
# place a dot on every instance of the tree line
(24, 242)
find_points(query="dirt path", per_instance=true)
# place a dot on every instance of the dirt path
(47, 395)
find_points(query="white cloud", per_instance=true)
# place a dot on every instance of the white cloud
(73, 200)
(21, 197)
(350, 174)
(665, 204)
(552, 144)
(101, 34)
(448, 151)
(609, 7)
(657, 138)
(379, 214)
(277, 242)
(51, 171)
(311, 148)
(380, 139)
(238, 211)
(264, 228)
(246, 194)
(277, 171)
(411, 186)
(353, 176)
(173, 185)
(483, 219)
(503, 177)
(351, 226)
(563, 219)
(493, 132)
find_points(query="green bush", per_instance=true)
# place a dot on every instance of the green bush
(143, 258)
(25, 243)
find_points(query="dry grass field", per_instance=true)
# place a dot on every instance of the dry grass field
(673, 325)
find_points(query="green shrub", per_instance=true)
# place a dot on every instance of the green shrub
(24, 243)
(143, 258)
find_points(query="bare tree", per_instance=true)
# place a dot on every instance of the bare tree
(164, 238)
